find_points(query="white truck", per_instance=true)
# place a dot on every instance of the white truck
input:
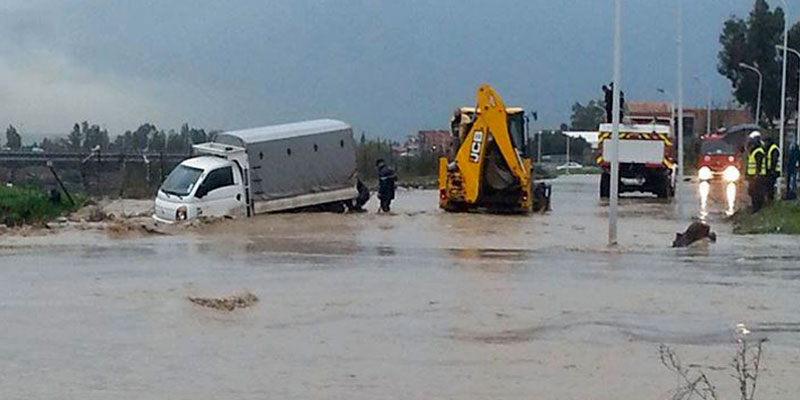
(262, 170)
(646, 163)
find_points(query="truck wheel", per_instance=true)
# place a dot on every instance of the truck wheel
(662, 188)
(605, 185)
(337, 207)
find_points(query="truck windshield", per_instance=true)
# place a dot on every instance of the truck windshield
(181, 180)
(716, 147)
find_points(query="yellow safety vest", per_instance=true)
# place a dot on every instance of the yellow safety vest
(774, 148)
(751, 163)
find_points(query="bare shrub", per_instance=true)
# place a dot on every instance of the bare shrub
(693, 382)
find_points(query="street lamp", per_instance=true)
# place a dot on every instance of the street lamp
(535, 116)
(614, 195)
(783, 82)
(567, 164)
(708, 104)
(679, 41)
(760, 84)
(797, 119)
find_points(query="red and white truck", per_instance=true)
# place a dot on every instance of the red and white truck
(646, 162)
(720, 160)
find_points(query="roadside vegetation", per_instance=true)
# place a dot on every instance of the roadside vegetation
(780, 217)
(20, 206)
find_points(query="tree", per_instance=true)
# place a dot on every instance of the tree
(198, 136)
(753, 42)
(555, 143)
(589, 117)
(75, 138)
(141, 137)
(47, 145)
(177, 143)
(158, 141)
(13, 138)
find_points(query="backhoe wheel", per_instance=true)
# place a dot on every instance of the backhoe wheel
(605, 185)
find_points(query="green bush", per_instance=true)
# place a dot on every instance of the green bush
(27, 206)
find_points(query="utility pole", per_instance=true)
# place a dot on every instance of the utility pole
(680, 101)
(760, 86)
(797, 120)
(567, 164)
(614, 195)
(671, 109)
(539, 148)
(783, 89)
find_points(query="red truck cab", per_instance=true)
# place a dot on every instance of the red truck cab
(718, 160)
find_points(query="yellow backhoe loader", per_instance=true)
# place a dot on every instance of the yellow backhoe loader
(490, 170)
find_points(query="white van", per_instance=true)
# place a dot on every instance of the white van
(261, 170)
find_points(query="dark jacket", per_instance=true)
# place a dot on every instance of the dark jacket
(386, 183)
(794, 155)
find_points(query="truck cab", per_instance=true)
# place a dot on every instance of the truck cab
(516, 127)
(205, 186)
(719, 160)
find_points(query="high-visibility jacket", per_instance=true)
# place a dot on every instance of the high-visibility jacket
(752, 163)
(773, 154)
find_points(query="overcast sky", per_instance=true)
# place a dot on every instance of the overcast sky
(387, 67)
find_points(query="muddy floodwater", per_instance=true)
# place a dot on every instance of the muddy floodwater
(414, 305)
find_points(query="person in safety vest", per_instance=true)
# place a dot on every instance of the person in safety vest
(773, 168)
(756, 171)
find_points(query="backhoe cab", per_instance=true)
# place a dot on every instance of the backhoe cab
(491, 169)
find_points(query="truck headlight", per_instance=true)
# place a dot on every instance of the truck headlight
(704, 174)
(181, 213)
(731, 174)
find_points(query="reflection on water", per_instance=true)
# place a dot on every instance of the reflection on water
(704, 192)
(730, 194)
(704, 189)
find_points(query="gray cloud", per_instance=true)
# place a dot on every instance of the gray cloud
(387, 67)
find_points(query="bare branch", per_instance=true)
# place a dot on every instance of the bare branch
(691, 385)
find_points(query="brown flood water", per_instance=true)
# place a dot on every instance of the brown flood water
(419, 304)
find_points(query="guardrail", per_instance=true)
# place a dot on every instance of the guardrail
(7, 157)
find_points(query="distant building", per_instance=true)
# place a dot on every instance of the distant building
(719, 119)
(436, 141)
(410, 148)
(642, 112)
(694, 119)
(429, 141)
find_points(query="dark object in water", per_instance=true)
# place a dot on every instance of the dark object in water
(695, 232)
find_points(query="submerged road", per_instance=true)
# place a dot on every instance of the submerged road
(418, 304)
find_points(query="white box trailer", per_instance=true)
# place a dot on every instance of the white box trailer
(261, 170)
(645, 159)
